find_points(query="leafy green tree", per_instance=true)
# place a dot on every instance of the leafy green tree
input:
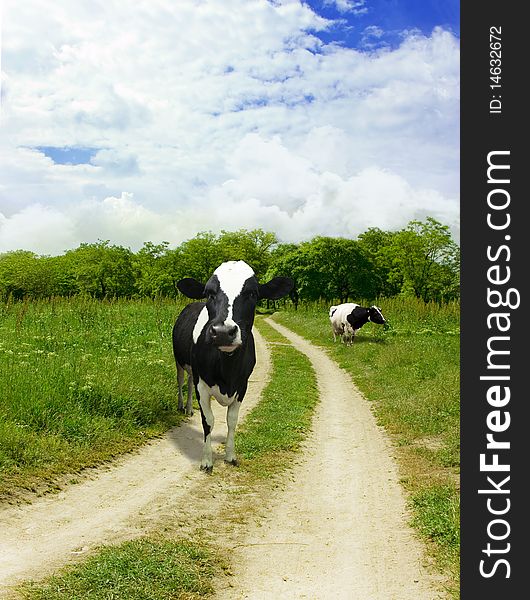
(325, 267)
(25, 274)
(421, 260)
(374, 243)
(102, 270)
(254, 247)
(65, 276)
(198, 257)
(282, 263)
(347, 273)
(152, 270)
(425, 261)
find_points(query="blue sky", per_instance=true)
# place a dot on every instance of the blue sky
(356, 19)
(168, 118)
(68, 156)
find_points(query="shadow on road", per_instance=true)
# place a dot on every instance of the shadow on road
(188, 437)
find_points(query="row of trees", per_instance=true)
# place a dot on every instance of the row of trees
(420, 260)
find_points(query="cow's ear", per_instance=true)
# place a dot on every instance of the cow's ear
(276, 288)
(191, 288)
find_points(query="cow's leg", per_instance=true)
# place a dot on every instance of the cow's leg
(189, 400)
(345, 333)
(232, 414)
(180, 382)
(205, 404)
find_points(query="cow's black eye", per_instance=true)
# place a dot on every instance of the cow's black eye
(211, 295)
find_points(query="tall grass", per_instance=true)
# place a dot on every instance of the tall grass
(409, 371)
(81, 380)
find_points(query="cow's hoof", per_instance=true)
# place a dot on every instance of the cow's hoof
(208, 469)
(234, 462)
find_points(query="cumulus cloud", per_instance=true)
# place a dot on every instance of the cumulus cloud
(318, 201)
(37, 228)
(121, 220)
(206, 115)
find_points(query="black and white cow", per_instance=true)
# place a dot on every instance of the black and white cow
(213, 342)
(347, 318)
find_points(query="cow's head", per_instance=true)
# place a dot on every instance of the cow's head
(231, 295)
(376, 316)
(359, 316)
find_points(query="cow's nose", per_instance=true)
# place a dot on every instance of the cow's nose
(230, 329)
(223, 332)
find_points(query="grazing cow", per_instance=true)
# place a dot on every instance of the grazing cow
(347, 318)
(213, 342)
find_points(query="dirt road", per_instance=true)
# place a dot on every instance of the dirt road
(336, 530)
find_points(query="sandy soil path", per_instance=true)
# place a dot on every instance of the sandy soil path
(338, 529)
(53, 530)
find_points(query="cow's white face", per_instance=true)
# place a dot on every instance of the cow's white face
(232, 277)
(231, 296)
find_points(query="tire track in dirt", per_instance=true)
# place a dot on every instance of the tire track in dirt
(338, 529)
(57, 529)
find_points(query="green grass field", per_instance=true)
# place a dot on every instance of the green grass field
(81, 381)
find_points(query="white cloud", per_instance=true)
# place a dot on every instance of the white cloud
(37, 228)
(207, 113)
(121, 220)
(318, 201)
(357, 7)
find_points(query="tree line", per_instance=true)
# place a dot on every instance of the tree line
(421, 260)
